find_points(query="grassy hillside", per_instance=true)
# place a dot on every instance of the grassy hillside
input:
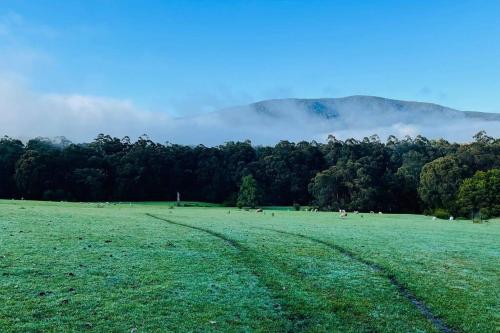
(147, 267)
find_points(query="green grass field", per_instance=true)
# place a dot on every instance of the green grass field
(147, 268)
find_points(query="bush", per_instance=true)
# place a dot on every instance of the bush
(296, 206)
(486, 213)
(441, 214)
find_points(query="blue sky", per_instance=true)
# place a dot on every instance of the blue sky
(183, 57)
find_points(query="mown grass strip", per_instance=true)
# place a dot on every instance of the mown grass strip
(403, 290)
(297, 320)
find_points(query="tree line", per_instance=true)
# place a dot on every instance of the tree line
(410, 175)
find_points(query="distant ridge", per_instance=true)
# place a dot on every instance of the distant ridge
(333, 107)
(297, 119)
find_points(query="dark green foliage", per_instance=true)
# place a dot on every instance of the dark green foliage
(41, 168)
(441, 213)
(353, 174)
(230, 201)
(248, 196)
(329, 189)
(480, 194)
(439, 182)
(10, 152)
(89, 184)
(441, 178)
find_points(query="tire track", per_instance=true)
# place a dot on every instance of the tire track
(402, 289)
(297, 321)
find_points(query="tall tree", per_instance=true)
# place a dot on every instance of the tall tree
(10, 152)
(439, 183)
(248, 196)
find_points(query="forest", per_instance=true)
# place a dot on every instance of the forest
(407, 175)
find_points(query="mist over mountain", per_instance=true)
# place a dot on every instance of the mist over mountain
(354, 116)
(28, 114)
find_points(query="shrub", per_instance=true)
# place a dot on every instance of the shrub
(486, 213)
(296, 206)
(441, 213)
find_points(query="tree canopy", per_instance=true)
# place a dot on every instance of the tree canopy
(480, 194)
(400, 175)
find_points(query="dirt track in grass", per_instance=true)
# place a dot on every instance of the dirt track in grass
(419, 304)
(297, 321)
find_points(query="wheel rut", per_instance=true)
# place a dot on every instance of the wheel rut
(297, 321)
(438, 323)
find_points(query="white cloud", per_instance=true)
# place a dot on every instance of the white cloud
(25, 113)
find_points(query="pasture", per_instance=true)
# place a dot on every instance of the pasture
(147, 267)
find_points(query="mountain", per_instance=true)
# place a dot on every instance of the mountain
(264, 123)
(345, 107)
(355, 116)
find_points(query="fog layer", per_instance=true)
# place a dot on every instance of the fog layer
(26, 114)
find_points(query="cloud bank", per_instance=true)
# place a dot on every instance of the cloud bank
(27, 114)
